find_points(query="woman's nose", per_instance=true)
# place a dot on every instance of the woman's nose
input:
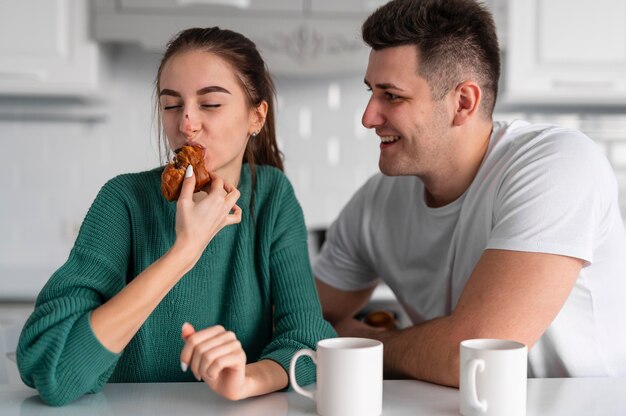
(189, 124)
(371, 116)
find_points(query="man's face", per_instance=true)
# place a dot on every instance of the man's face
(414, 130)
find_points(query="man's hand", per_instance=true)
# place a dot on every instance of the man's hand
(354, 328)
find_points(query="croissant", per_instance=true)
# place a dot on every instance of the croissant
(174, 173)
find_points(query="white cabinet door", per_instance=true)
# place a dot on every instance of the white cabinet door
(44, 48)
(566, 52)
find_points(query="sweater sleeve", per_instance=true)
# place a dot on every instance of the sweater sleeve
(58, 353)
(298, 321)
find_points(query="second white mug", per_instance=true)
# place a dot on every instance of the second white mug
(493, 378)
(349, 376)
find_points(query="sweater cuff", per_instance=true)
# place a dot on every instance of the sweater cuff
(305, 368)
(87, 356)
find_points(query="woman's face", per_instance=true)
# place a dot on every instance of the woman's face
(202, 102)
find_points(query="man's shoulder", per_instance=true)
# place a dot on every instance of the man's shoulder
(522, 142)
(524, 134)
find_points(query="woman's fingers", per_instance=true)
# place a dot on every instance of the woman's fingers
(187, 330)
(195, 339)
(189, 183)
(203, 347)
(226, 194)
(207, 351)
(216, 183)
(234, 217)
(227, 355)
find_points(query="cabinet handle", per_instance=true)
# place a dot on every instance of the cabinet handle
(240, 4)
(582, 84)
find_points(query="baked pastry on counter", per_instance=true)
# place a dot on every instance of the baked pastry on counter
(174, 173)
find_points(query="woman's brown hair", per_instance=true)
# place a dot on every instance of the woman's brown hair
(242, 55)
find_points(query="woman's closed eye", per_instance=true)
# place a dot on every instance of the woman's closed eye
(168, 107)
(210, 105)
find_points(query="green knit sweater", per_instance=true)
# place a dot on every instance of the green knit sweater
(254, 278)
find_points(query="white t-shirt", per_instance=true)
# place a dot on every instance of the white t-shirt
(540, 188)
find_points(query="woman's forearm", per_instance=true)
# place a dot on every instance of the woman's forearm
(264, 377)
(116, 322)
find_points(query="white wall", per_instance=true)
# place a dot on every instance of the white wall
(52, 170)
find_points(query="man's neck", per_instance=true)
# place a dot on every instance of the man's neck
(445, 187)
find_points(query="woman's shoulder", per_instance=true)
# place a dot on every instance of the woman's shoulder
(268, 172)
(270, 179)
(132, 183)
(272, 186)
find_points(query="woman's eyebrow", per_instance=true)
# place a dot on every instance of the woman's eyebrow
(201, 91)
(212, 88)
(166, 91)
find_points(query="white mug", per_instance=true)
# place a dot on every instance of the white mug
(349, 376)
(493, 377)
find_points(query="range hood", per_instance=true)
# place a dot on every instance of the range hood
(296, 37)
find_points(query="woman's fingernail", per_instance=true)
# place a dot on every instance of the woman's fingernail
(189, 171)
(183, 366)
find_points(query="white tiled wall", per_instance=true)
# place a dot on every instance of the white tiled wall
(53, 168)
(328, 153)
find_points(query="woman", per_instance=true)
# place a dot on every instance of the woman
(231, 260)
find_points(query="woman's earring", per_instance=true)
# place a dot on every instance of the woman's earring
(253, 135)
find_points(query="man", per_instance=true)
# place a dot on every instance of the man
(482, 229)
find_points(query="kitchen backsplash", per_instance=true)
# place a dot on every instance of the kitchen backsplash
(58, 153)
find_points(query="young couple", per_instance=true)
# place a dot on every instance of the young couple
(482, 229)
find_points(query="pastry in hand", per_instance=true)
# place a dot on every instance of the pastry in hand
(174, 173)
(381, 319)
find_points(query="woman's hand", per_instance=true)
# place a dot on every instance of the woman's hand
(215, 356)
(200, 216)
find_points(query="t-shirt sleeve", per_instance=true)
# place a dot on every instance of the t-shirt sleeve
(343, 261)
(552, 199)
(58, 353)
(298, 319)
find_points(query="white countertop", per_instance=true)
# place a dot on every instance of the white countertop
(546, 397)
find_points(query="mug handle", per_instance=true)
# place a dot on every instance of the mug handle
(292, 372)
(473, 367)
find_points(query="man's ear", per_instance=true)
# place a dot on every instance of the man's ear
(467, 100)
(257, 116)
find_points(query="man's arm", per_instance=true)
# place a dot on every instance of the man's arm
(510, 295)
(340, 306)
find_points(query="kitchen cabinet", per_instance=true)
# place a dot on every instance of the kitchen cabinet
(566, 52)
(45, 48)
(296, 37)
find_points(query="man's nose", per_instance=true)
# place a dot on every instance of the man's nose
(372, 116)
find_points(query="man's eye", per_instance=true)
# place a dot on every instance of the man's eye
(391, 96)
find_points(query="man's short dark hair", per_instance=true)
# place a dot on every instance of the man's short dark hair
(456, 41)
